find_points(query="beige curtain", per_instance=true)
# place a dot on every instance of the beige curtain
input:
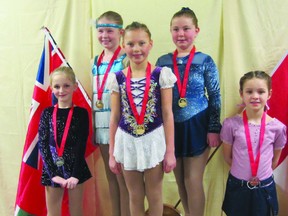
(240, 36)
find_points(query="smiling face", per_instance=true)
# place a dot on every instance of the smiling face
(108, 37)
(183, 32)
(137, 45)
(63, 88)
(255, 93)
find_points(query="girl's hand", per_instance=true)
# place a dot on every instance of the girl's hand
(59, 180)
(114, 166)
(213, 139)
(169, 162)
(72, 182)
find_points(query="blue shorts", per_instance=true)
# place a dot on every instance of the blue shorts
(241, 199)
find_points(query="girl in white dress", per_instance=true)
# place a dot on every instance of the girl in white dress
(141, 124)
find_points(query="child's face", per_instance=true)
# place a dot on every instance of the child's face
(63, 88)
(137, 45)
(255, 94)
(108, 37)
(183, 32)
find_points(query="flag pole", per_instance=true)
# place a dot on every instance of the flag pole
(54, 44)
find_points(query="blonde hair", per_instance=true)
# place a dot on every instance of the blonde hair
(112, 16)
(136, 26)
(63, 70)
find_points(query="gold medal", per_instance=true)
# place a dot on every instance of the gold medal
(59, 162)
(99, 104)
(182, 102)
(140, 129)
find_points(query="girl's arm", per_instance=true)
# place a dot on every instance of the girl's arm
(114, 121)
(80, 147)
(276, 157)
(43, 143)
(169, 159)
(212, 84)
(227, 152)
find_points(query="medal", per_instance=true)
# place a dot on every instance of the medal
(59, 162)
(100, 86)
(140, 129)
(182, 87)
(60, 150)
(254, 181)
(254, 163)
(182, 102)
(99, 104)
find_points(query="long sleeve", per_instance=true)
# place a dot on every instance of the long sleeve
(80, 149)
(211, 79)
(44, 131)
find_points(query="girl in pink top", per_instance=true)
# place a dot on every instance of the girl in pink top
(252, 143)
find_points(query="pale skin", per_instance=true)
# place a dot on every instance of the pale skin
(137, 45)
(109, 38)
(190, 170)
(117, 186)
(63, 87)
(54, 198)
(255, 95)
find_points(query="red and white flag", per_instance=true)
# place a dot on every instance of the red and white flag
(30, 199)
(278, 103)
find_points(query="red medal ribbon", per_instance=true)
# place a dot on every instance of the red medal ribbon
(183, 86)
(100, 88)
(60, 149)
(139, 118)
(254, 163)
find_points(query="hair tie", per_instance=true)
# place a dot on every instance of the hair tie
(111, 25)
(186, 9)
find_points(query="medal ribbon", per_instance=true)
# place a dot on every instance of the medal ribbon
(139, 118)
(254, 163)
(100, 88)
(183, 86)
(60, 149)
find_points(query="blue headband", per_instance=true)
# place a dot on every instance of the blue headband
(111, 25)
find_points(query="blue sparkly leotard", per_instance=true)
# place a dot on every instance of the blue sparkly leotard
(202, 114)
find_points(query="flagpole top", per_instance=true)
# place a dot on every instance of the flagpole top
(45, 29)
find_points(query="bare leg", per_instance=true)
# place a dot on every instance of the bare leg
(54, 198)
(153, 186)
(116, 187)
(124, 195)
(76, 200)
(193, 177)
(135, 184)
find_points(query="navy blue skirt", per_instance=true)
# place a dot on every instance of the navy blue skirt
(191, 135)
(240, 199)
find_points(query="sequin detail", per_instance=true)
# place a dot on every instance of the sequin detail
(150, 113)
(74, 152)
(203, 89)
